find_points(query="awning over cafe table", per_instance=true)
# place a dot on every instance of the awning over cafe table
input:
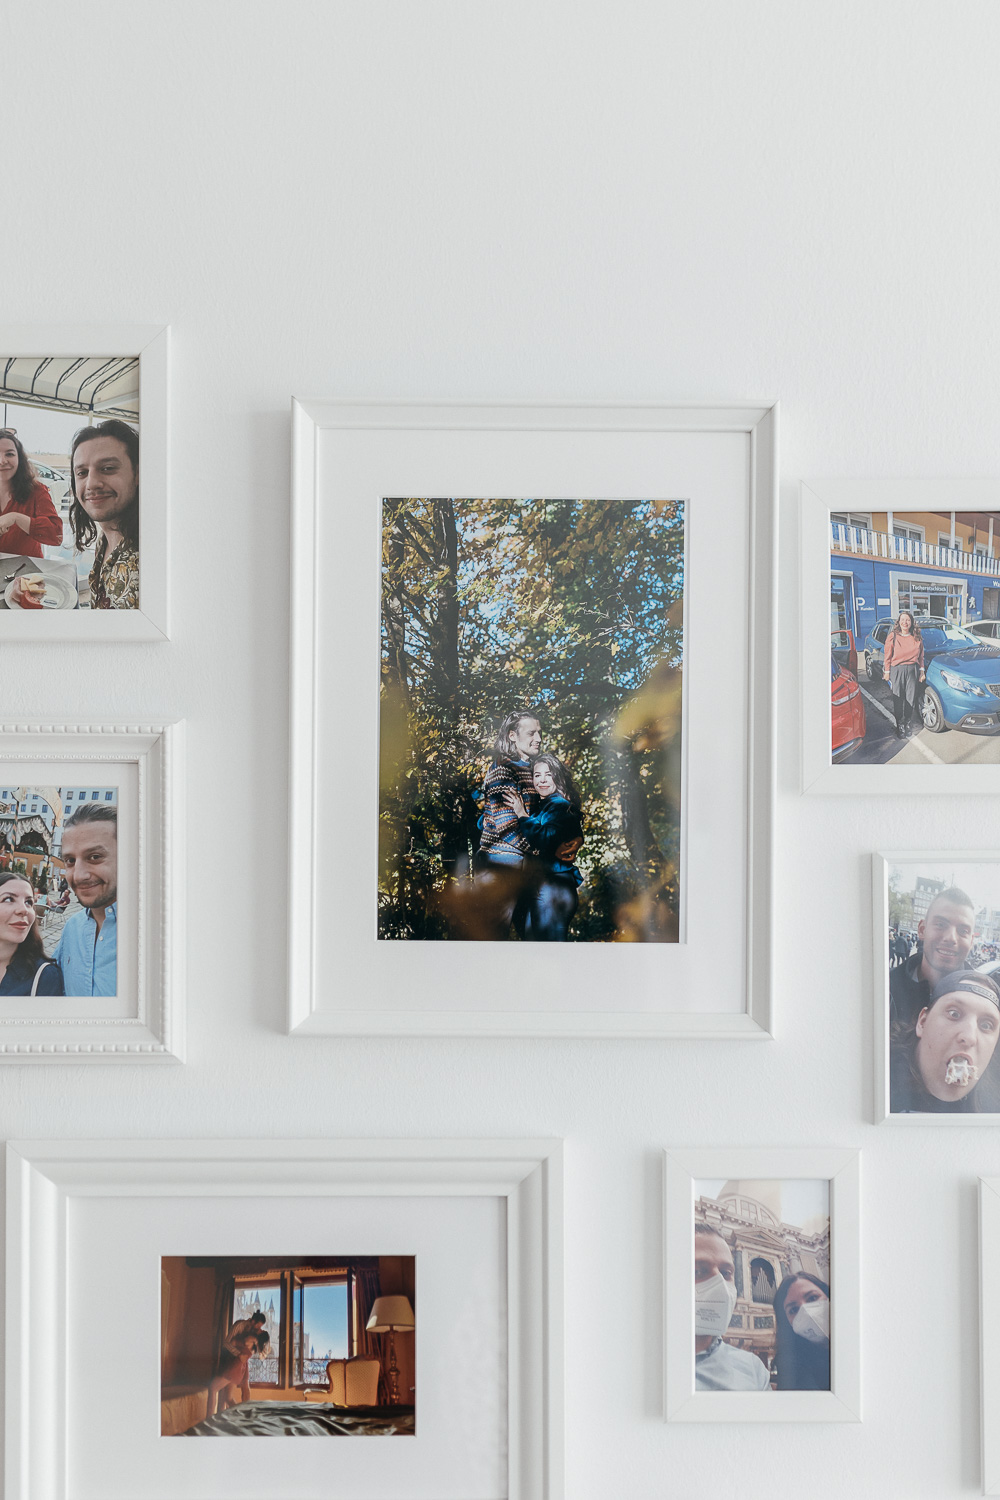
(101, 386)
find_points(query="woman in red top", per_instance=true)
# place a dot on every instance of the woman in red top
(904, 669)
(28, 519)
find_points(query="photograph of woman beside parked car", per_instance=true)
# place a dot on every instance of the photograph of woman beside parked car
(915, 637)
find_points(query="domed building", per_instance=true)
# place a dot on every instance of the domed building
(765, 1250)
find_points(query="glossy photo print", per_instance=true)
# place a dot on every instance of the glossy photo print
(69, 482)
(531, 720)
(300, 1346)
(915, 637)
(942, 995)
(58, 891)
(762, 1285)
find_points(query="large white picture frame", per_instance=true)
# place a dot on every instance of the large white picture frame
(151, 621)
(346, 458)
(53, 1185)
(842, 1403)
(145, 1022)
(820, 497)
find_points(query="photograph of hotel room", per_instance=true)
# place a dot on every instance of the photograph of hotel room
(320, 1345)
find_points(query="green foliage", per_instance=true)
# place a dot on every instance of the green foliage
(570, 607)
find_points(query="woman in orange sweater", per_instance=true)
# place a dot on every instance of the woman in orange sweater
(28, 519)
(904, 670)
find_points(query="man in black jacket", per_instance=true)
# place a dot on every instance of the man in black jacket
(944, 941)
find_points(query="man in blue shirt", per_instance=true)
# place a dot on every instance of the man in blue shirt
(87, 951)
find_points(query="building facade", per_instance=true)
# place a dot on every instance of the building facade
(765, 1250)
(940, 563)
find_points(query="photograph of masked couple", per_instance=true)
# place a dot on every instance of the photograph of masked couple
(530, 777)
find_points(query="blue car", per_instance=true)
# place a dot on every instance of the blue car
(938, 635)
(963, 690)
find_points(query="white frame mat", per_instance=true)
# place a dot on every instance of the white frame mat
(151, 621)
(818, 498)
(346, 458)
(842, 1403)
(46, 1178)
(156, 1032)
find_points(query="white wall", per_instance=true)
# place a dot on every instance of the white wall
(579, 201)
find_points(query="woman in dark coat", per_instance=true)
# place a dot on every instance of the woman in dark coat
(555, 828)
(802, 1333)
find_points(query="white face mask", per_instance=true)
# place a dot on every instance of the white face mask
(812, 1322)
(714, 1301)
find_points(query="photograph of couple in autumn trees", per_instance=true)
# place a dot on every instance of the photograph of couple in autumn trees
(530, 727)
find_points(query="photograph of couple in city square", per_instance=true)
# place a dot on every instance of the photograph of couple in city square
(941, 984)
(762, 1285)
(69, 482)
(531, 784)
(58, 891)
(299, 1346)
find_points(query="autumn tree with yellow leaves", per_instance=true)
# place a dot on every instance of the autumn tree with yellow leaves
(573, 608)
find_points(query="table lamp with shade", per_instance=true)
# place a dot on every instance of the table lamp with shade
(387, 1315)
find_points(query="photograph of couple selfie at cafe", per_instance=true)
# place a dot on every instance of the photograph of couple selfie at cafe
(69, 482)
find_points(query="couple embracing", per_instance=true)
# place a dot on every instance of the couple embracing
(531, 833)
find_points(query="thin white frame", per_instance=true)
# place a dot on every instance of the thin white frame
(818, 498)
(682, 1403)
(151, 621)
(880, 981)
(306, 1016)
(44, 1177)
(989, 1332)
(156, 1034)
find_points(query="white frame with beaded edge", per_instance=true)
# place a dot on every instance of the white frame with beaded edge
(156, 1033)
(842, 1402)
(345, 455)
(151, 621)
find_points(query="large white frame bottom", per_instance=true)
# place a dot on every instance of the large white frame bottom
(46, 1179)
(842, 1403)
(346, 458)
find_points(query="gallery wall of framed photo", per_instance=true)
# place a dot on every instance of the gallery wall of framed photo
(441, 427)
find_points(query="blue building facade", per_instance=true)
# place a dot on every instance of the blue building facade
(865, 587)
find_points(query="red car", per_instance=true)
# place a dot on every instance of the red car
(847, 708)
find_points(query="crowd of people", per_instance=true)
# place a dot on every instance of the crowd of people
(84, 961)
(944, 1016)
(800, 1360)
(525, 879)
(104, 481)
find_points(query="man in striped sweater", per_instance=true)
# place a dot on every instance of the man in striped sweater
(501, 863)
(519, 738)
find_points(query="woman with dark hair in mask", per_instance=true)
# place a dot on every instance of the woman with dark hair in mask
(802, 1333)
